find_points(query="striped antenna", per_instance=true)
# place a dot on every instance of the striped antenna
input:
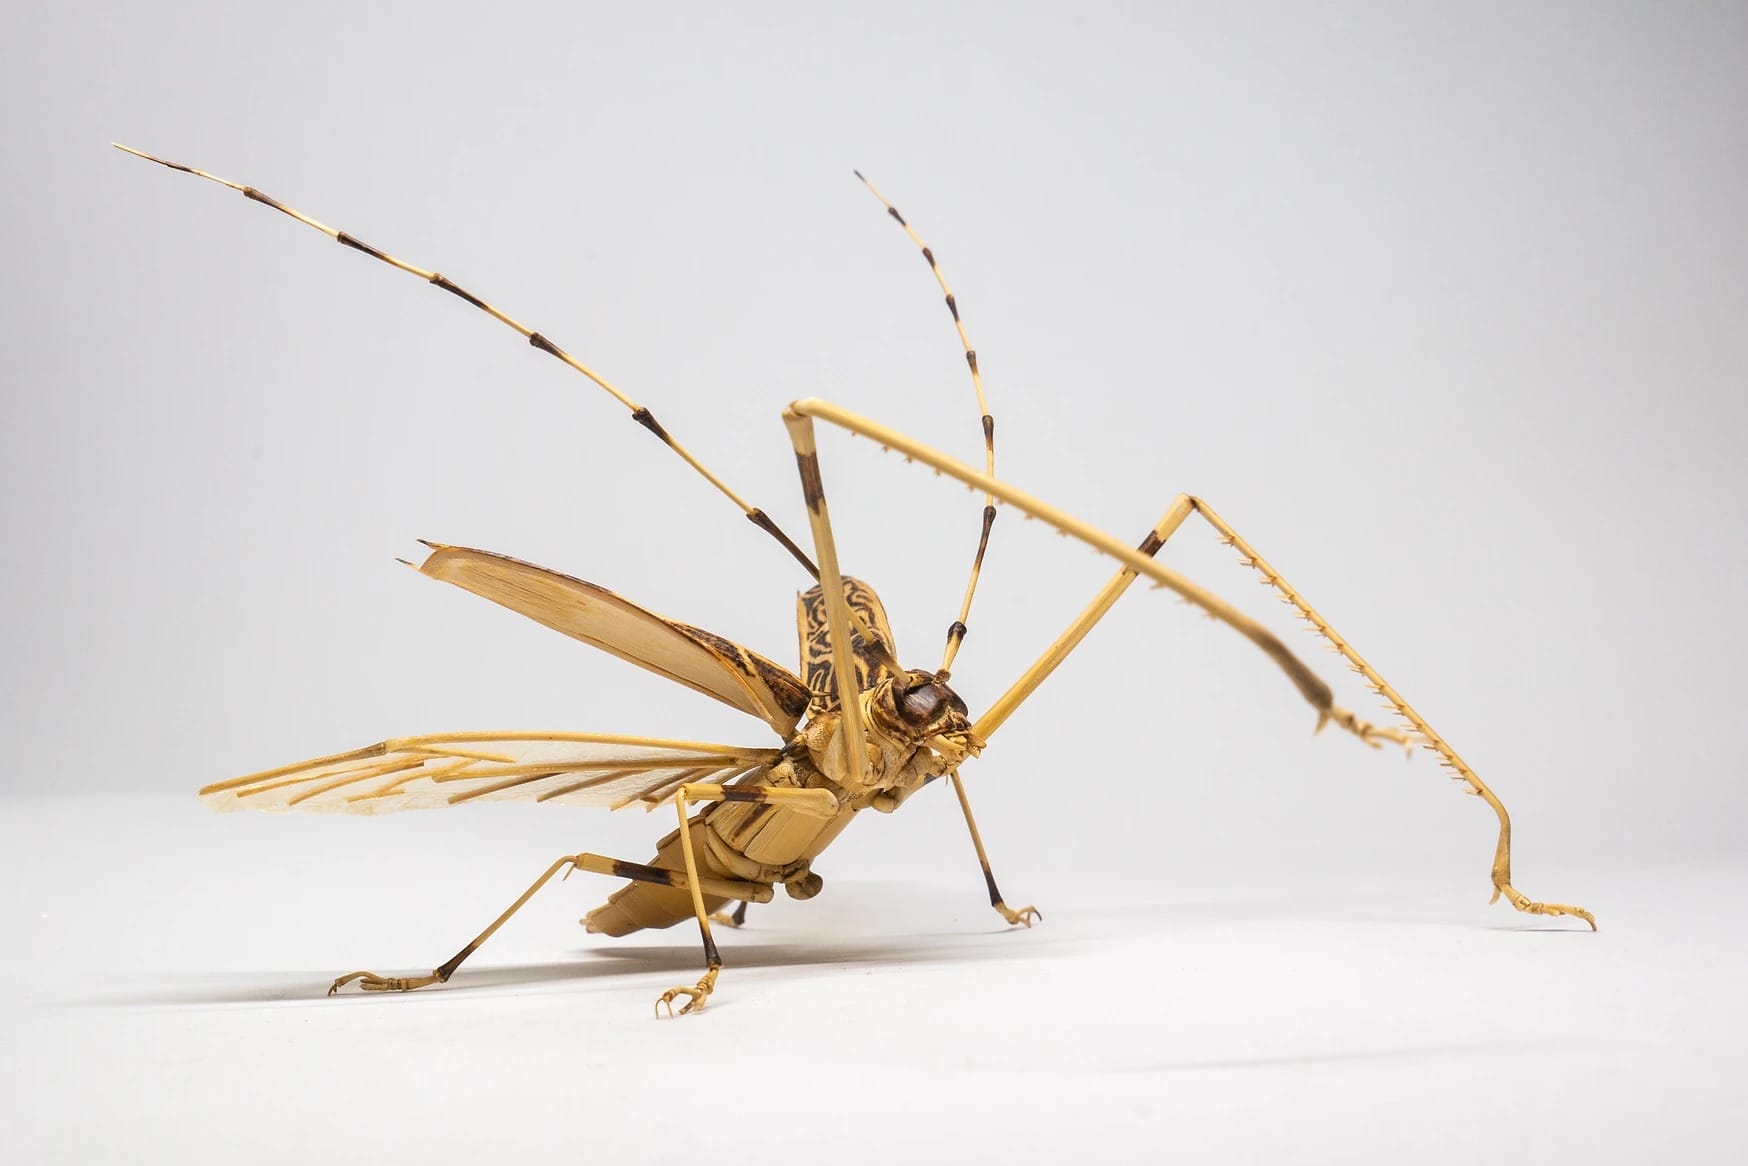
(956, 631)
(639, 413)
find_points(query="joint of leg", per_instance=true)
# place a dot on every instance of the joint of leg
(803, 885)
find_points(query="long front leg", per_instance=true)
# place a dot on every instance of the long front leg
(1069, 640)
(1139, 561)
(1181, 508)
(1448, 757)
(838, 615)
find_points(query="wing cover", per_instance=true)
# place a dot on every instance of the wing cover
(699, 660)
(447, 769)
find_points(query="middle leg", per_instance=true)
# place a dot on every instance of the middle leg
(815, 802)
(1025, 916)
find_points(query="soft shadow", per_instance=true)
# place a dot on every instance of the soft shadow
(1549, 927)
(1424, 1052)
(593, 964)
(1356, 909)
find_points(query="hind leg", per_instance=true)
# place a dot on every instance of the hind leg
(593, 863)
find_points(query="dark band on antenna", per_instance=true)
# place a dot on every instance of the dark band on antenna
(455, 289)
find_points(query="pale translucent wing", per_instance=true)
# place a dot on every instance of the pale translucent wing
(687, 655)
(447, 769)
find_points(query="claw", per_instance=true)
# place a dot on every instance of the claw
(1530, 907)
(1024, 917)
(371, 982)
(698, 995)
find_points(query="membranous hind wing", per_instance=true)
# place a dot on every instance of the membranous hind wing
(687, 655)
(447, 769)
(816, 651)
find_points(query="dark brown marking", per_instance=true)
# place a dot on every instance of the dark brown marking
(893, 211)
(812, 489)
(448, 969)
(988, 429)
(783, 684)
(953, 306)
(790, 693)
(1151, 544)
(647, 419)
(721, 645)
(544, 344)
(743, 793)
(740, 913)
(637, 872)
(179, 166)
(956, 631)
(994, 892)
(930, 256)
(756, 817)
(712, 957)
(265, 200)
(356, 244)
(871, 662)
(763, 521)
(971, 359)
(983, 538)
(460, 292)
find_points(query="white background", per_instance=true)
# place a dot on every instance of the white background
(1441, 310)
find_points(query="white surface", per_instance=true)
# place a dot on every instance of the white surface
(164, 983)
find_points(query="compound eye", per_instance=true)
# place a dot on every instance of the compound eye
(921, 703)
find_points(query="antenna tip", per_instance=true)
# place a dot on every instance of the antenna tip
(148, 157)
(858, 174)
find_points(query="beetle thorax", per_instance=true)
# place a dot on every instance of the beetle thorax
(914, 726)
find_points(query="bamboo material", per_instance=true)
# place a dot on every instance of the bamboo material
(859, 732)
(1313, 689)
(593, 863)
(815, 802)
(851, 732)
(639, 413)
(956, 630)
(1025, 916)
(1057, 652)
(1448, 757)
